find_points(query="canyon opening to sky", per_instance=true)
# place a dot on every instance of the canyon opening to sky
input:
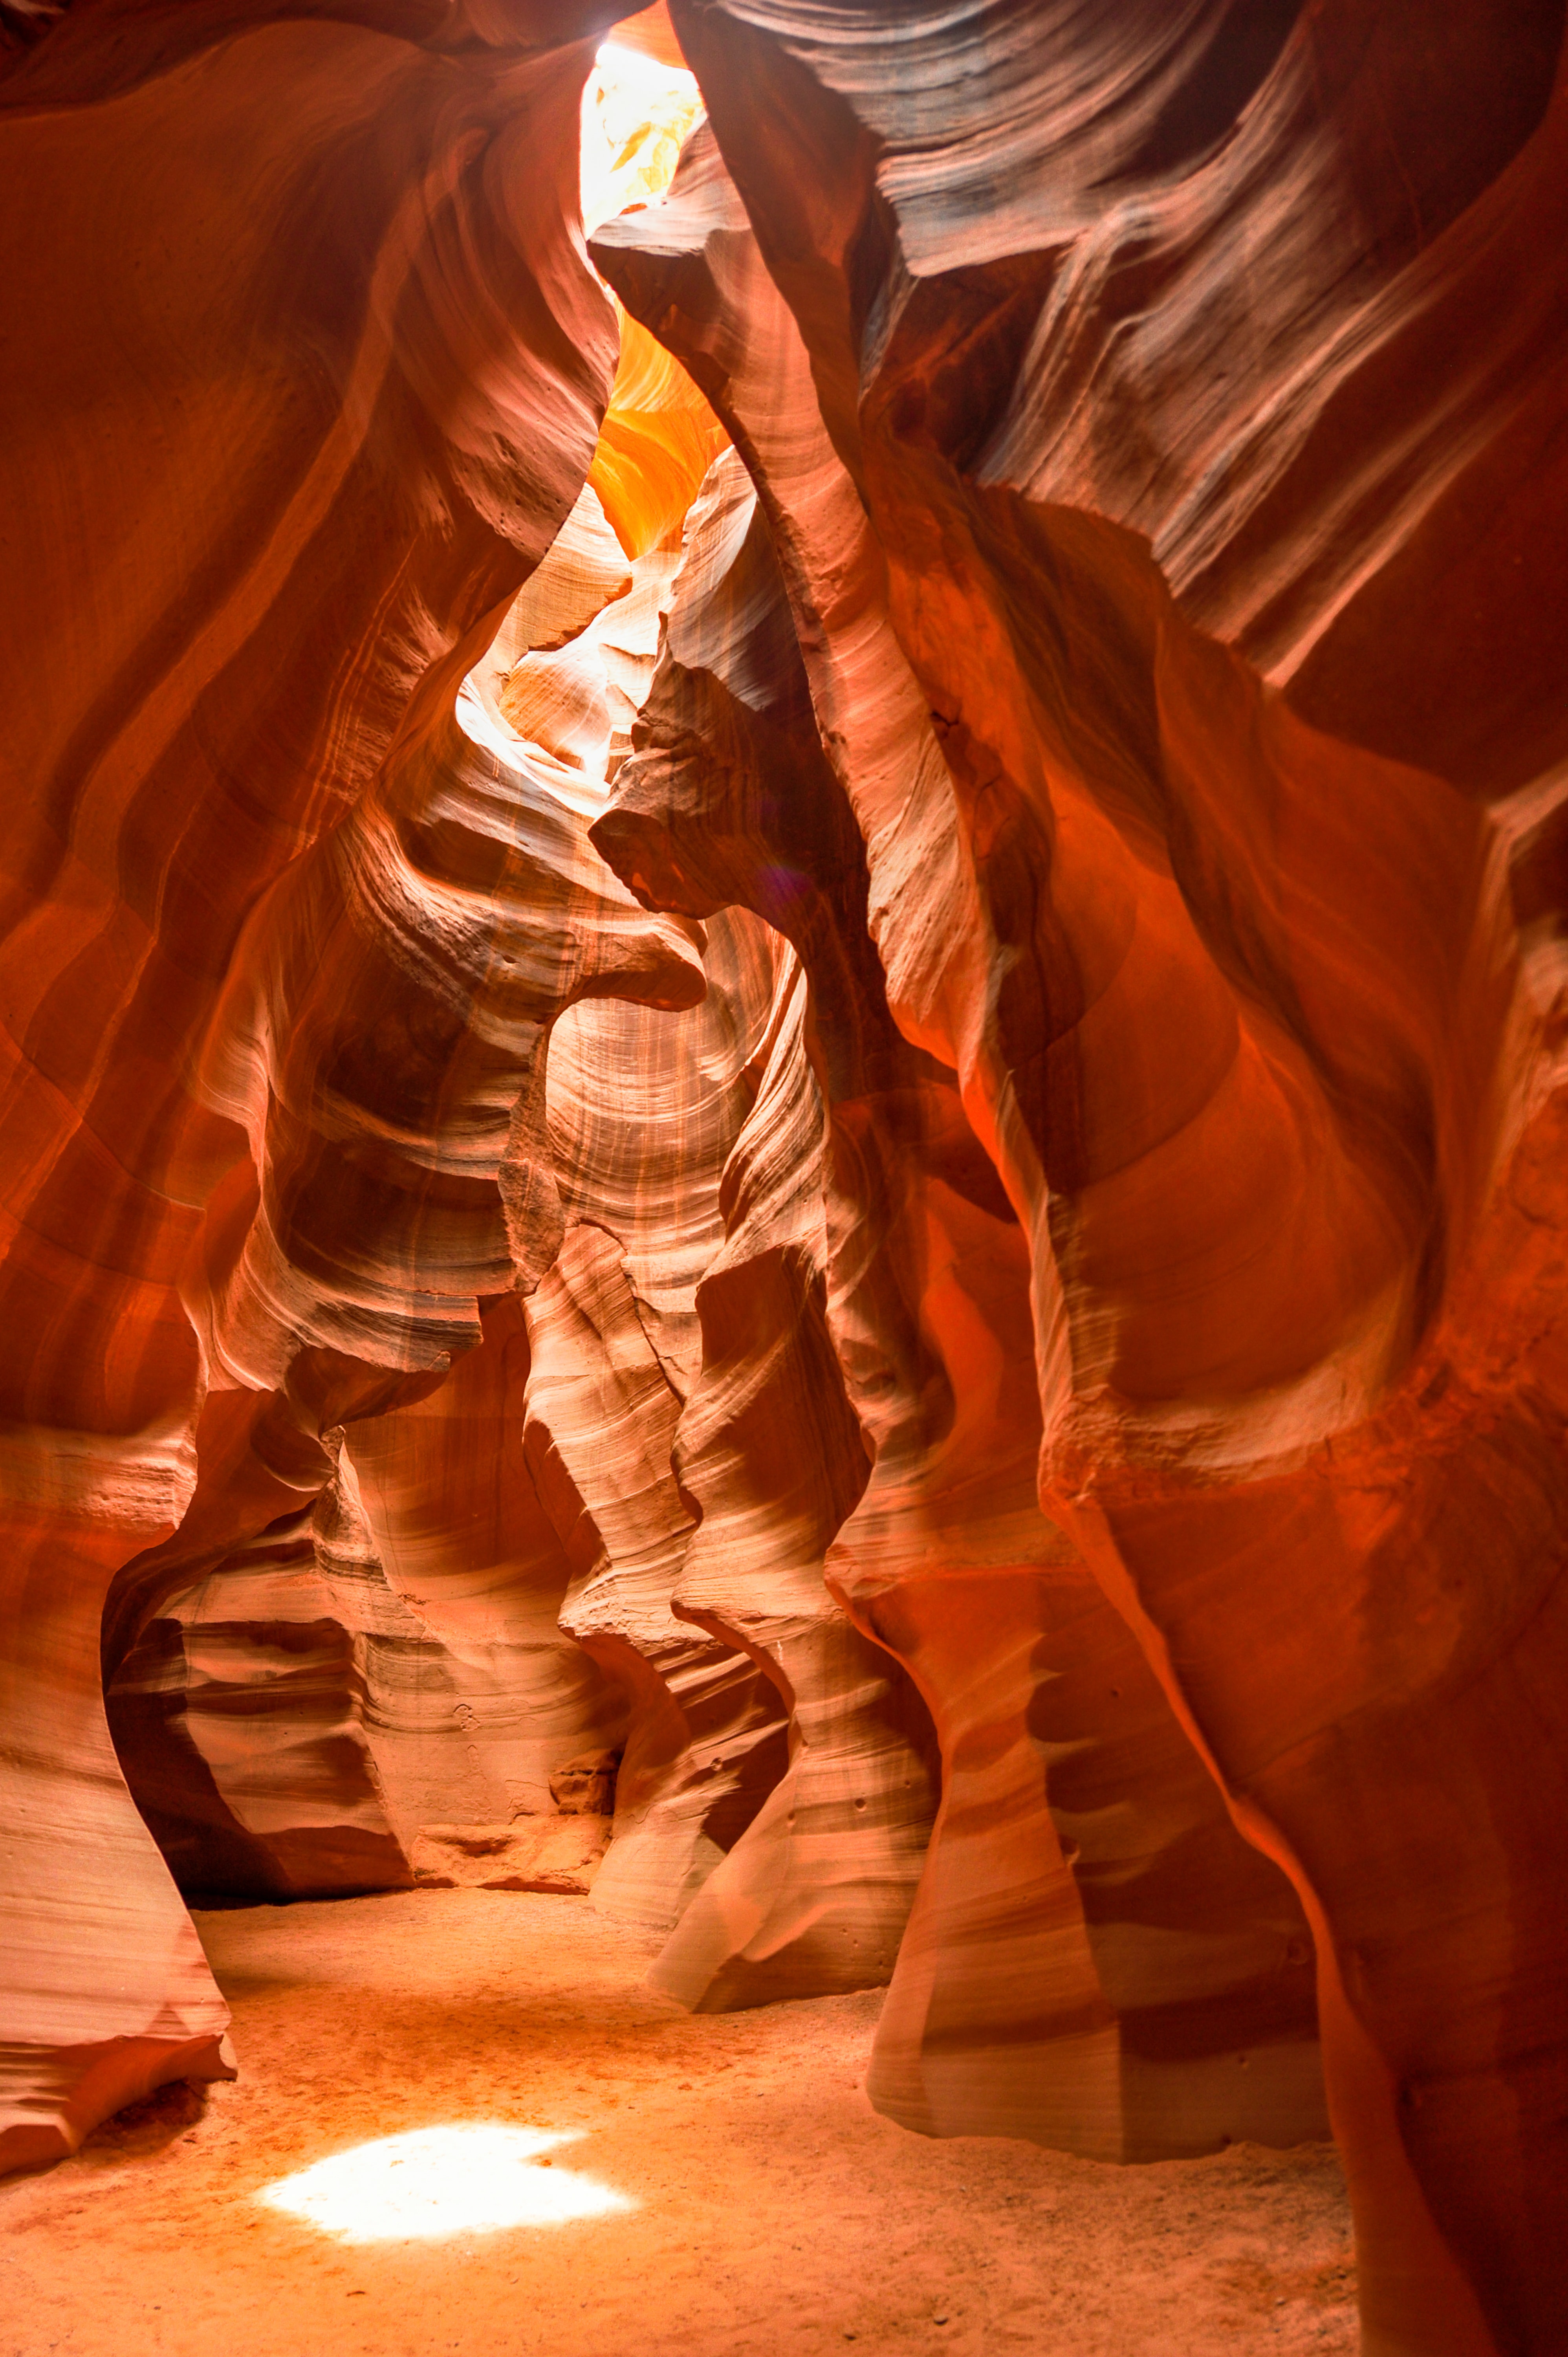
(783, 994)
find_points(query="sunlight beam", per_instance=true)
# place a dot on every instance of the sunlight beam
(438, 2181)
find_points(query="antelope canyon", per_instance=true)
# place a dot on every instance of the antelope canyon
(783, 1324)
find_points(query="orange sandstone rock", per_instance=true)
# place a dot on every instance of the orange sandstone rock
(900, 1127)
(1230, 977)
(1160, 2001)
(312, 428)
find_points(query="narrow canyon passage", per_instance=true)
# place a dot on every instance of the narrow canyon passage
(783, 1243)
(770, 2211)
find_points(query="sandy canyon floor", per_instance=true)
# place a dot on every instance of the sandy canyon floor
(761, 2208)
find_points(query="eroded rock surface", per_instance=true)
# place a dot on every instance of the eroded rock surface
(1223, 956)
(559, 1854)
(801, 1027)
(265, 1016)
(1154, 1995)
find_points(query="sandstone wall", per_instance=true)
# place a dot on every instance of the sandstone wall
(782, 1005)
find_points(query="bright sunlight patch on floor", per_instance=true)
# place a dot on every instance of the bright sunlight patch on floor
(438, 2181)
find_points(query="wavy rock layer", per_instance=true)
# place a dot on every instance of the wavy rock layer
(1229, 976)
(548, 1460)
(700, 1474)
(1154, 1999)
(322, 427)
(862, 1122)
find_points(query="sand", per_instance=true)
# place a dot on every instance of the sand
(773, 2212)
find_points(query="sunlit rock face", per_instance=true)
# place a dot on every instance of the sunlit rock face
(782, 1002)
(397, 1604)
(1164, 461)
(1098, 1959)
(326, 418)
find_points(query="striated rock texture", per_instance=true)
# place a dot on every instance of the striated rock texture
(242, 1719)
(546, 1458)
(760, 1731)
(279, 458)
(1187, 390)
(800, 1029)
(612, 1329)
(1157, 1997)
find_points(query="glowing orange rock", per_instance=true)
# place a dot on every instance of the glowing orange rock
(1133, 702)
(313, 429)
(1156, 1996)
(1236, 1003)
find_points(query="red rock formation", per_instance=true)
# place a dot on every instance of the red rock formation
(455, 1522)
(309, 437)
(1162, 2002)
(639, 1422)
(1087, 1255)
(240, 1719)
(1230, 984)
(816, 1894)
(640, 1125)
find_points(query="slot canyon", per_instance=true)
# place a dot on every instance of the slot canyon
(783, 1324)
